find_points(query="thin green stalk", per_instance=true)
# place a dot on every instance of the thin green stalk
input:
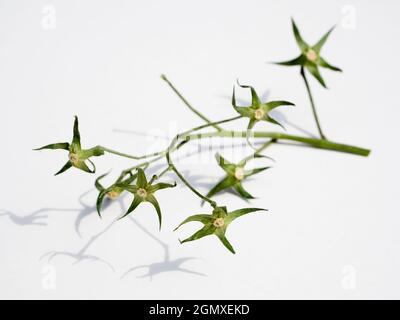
(314, 109)
(194, 110)
(168, 168)
(158, 176)
(125, 155)
(173, 147)
(182, 178)
(259, 150)
(316, 143)
(162, 153)
(186, 134)
(140, 165)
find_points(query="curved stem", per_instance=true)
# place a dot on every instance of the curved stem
(182, 178)
(125, 155)
(162, 153)
(140, 165)
(158, 176)
(184, 135)
(168, 168)
(314, 109)
(259, 150)
(200, 115)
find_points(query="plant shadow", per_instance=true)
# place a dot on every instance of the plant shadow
(165, 265)
(36, 218)
(81, 254)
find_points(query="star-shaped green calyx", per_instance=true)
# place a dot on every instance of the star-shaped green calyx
(77, 156)
(258, 111)
(235, 174)
(113, 191)
(310, 57)
(144, 191)
(216, 224)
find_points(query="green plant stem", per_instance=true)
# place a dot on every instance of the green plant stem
(140, 165)
(125, 155)
(168, 168)
(259, 150)
(182, 178)
(158, 176)
(194, 110)
(184, 135)
(314, 109)
(316, 143)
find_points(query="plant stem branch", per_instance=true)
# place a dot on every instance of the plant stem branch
(184, 135)
(125, 155)
(259, 150)
(316, 143)
(314, 109)
(194, 110)
(182, 178)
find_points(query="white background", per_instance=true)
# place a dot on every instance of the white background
(333, 226)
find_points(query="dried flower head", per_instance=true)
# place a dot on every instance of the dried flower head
(76, 156)
(144, 191)
(235, 174)
(216, 224)
(310, 57)
(258, 110)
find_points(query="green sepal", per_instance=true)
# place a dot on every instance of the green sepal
(67, 166)
(141, 178)
(205, 231)
(160, 186)
(255, 100)
(313, 69)
(230, 180)
(251, 172)
(150, 198)
(75, 150)
(100, 199)
(203, 218)
(250, 111)
(228, 166)
(299, 61)
(76, 139)
(278, 103)
(225, 183)
(55, 146)
(242, 192)
(136, 201)
(84, 167)
(318, 46)
(211, 227)
(303, 60)
(241, 212)
(220, 233)
(97, 183)
(323, 63)
(300, 42)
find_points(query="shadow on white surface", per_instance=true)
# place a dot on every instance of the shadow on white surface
(81, 255)
(164, 266)
(36, 218)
